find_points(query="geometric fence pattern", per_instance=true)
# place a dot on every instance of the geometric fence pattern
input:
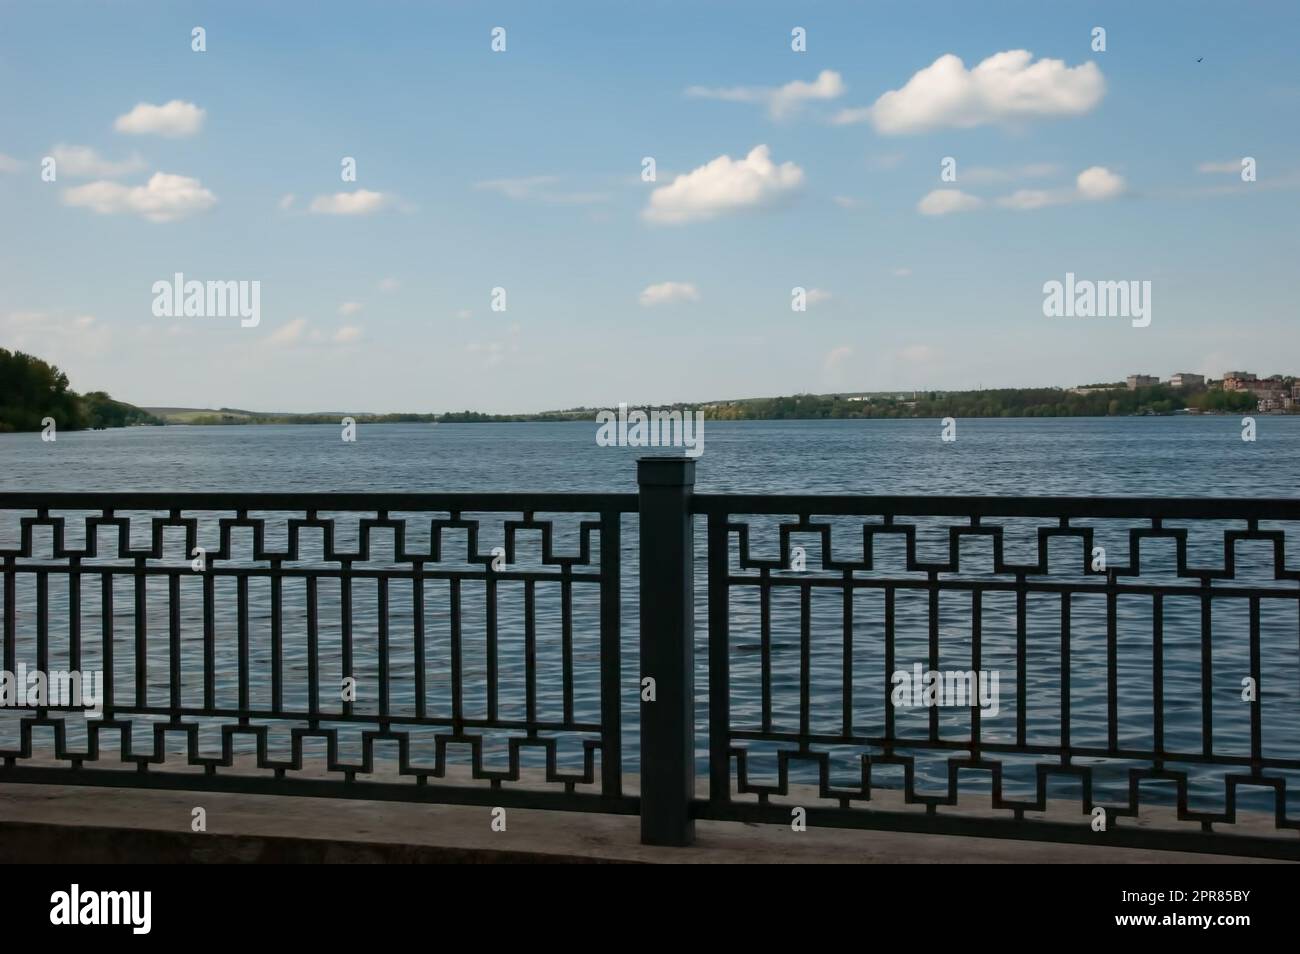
(1148, 649)
(243, 636)
(1141, 655)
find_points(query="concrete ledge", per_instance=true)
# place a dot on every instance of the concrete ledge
(78, 824)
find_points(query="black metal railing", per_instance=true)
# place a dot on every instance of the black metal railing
(1150, 648)
(265, 645)
(1111, 716)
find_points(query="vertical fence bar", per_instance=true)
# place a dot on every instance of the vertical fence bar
(805, 665)
(765, 643)
(1112, 664)
(174, 642)
(345, 622)
(11, 617)
(1158, 679)
(382, 608)
(106, 638)
(1256, 716)
(209, 639)
(243, 657)
(140, 609)
(417, 635)
(1065, 678)
(457, 669)
(43, 630)
(313, 648)
(611, 668)
(889, 669)
(277, 638)
(566, 640)
(719, 663)
(667, 649)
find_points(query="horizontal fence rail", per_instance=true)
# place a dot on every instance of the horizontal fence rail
(1147, 649)
(252, 637)
(1111, 671)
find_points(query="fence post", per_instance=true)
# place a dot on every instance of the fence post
(667, 649)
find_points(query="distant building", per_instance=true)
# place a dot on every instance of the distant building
(1185, 380)
(1136, 381)
(1239, 380)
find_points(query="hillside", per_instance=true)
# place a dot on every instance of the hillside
(32, 390)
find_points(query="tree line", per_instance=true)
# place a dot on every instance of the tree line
(32, 390)
(1006, 402)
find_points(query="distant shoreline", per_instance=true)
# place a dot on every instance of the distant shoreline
(36, 396)
(361, 419)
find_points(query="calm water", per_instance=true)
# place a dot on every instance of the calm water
(1133, 456)
(1164, 456)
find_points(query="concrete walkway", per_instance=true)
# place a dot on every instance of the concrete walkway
(56, 823)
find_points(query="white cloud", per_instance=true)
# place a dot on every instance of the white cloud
(297, 331)
(539, 189)
(900, 272)
(55, 336)
(721, 186)
(9, 163)
(1098, 182)
(1024, 200)
(361, 202)
(349, 308)
(1232, 166)
(521, 188)
(846, 201)
(82, 162)
(494, 352)
(286, 201)
(667, 293)
(388, 285)
(854, 114)
(781, 101)
(1093, 184)
(164, 198)
(836, 357)
(816, 295)
(289, 334)
(1007, 87)
(465, 313)
(944, 201)
(174, 120)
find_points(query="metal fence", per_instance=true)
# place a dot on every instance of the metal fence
(469, 648)
(261, 638)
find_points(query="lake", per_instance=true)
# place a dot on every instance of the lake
(1158, 456)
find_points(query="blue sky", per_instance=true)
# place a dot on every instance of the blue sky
(522, 170)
